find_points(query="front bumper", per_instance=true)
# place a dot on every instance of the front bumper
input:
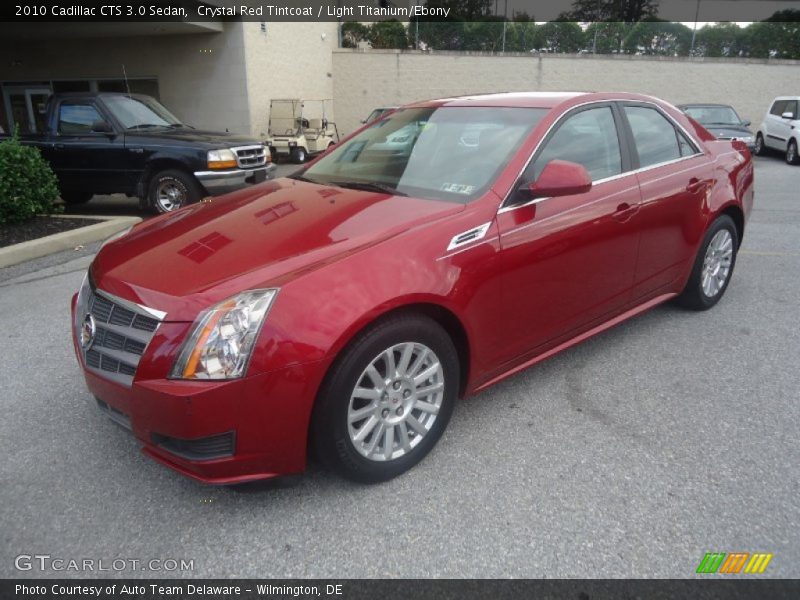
(222, 182)
(217, 432)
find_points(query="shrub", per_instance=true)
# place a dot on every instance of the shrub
(27, 184)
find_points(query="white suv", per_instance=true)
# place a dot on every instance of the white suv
(778, 130)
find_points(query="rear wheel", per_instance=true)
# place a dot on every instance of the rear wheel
(713, 266)
(299, 155)
(76, 197)
(759, 148)
(387, 399)
(791, 153)
(172, 189)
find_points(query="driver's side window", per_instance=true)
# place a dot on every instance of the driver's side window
(588, 138)
(76, 118)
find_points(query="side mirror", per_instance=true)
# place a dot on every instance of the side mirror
(363, 121)
(745, 123)
(787, 115)
(560, 178)
(101, 127)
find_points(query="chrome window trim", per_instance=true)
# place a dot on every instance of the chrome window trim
(503, 208)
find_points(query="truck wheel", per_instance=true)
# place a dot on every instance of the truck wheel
(171, 189)
(299, 155)
(76, 197)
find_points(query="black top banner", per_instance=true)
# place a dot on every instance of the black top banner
(33, 11)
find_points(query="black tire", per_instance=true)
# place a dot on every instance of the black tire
(791, 153)
(299, 155)
(693, 296)
(187, 190)
(759, 149)
(76, 197)
(330, 435)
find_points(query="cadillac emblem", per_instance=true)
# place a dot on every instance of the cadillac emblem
(88, 331)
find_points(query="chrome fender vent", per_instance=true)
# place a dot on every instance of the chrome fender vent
(473, 235)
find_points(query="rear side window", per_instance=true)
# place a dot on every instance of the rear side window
(657, 140)
(588, 138)
(77, 118)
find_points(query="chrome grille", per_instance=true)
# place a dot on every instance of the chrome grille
(122, 332)
(249, 157)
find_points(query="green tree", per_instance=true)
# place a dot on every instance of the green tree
(523, 36)
(562, 36)
(626, 11)
(388, 34)
(354, 32)
(607, 37)
(720, 39)
(450, 33)
(659, 38)
(485, 35)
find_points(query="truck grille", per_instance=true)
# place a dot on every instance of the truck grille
(250, 157)
(122, 333)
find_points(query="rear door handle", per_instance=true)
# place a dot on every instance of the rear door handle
(625, 211)
(59, 146)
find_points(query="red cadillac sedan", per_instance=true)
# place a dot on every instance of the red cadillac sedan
(426, 257)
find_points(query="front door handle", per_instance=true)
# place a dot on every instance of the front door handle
(695, 185)
(59, 146)
(625, 211)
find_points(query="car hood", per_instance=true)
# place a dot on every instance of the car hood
(728, 131)
(263, 236)
(209, 139)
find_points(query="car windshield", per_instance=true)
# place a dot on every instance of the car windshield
(445, 153)
(140, 113)
(714, 115)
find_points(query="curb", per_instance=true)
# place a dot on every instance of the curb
(66, 240)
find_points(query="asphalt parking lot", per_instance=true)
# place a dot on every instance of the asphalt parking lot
(631, 455)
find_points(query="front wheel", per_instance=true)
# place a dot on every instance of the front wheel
(172, 189)
(299, 155)
(791, 153)
(387, 399)
(759, 148)
(713, 266)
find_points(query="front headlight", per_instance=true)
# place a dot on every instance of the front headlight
(747, 139)
(221, 159)
(222, 339)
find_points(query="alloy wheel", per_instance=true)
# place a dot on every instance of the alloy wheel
(395, 402)
(717, 263)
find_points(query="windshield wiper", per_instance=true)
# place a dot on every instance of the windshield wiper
(299, 177)
(144, 126)
(369, 187)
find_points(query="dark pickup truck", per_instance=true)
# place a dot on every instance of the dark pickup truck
(103, 143)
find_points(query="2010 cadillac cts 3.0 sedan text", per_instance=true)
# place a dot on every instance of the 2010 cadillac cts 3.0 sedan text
(427, 256)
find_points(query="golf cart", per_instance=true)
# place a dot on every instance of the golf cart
(299, 129)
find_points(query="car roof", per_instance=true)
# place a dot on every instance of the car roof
(80, 95)
(786, 98)
(534, 99)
